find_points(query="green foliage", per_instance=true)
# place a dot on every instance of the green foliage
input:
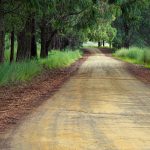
(102, 32)
(133, 24)
(60, 59)
(18, 72)
(25, 71)
(134, 54)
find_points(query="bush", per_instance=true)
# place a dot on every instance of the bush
(59, 59)
(138, 55)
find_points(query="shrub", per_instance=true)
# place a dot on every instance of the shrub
(59, 59)
(138, 55)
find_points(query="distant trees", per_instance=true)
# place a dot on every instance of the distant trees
(103, 34)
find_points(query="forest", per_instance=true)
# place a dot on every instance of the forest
(36, 33)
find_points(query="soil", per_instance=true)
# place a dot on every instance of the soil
(140, 72)
(17, 101)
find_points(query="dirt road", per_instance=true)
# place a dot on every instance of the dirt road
(102, 107)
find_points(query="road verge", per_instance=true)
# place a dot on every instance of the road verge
(18, 101)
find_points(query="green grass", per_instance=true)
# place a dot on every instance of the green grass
(134, 55)
(59, 59)
(24, 71)
(18, 72)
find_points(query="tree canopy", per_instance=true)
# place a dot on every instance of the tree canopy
(57, 24)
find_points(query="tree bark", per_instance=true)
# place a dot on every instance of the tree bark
(103, 43)
(99, 44)
(2, 37)
(110, 44)
(24, 42)
(12, 42)
(127, 36)
(49, 40)
(33, 39)
(43, 53)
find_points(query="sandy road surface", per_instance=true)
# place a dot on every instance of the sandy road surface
(102, 107)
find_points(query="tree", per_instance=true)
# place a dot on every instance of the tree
(129, 22)
(2, 31)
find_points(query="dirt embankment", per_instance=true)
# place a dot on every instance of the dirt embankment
(19, 100)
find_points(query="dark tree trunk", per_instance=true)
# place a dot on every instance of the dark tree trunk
(103, 43)
(126, 39)
(47, 35)
(55, 43)
(110, 44)
(127, 36)
(49, 40)
(99, 44)
(12, 42)
(43, 53)
(24, 42)
(2, 37)
(21, 51)
(33, 39)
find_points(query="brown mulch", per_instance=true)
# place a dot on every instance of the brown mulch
(106, 51)
(139, 72)
(17, 101)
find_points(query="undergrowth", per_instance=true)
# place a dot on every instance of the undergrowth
(59, 59)
(25, 71)
(134, 55)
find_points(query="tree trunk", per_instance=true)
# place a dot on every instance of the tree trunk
(103, 43)
(2, 37)
(33, 39)
(24, 42)
(49, 40)
(12, 42)
(21, 51)
(127, 36)
(43, 53)
(99, 44)
(110, 44)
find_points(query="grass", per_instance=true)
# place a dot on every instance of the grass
(60, 59)
(134, 55)
(19, 72)
(24, 71)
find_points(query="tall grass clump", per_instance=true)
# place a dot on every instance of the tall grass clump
(60, 59)
(18, 71)
(24, 71)
(134, 55)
